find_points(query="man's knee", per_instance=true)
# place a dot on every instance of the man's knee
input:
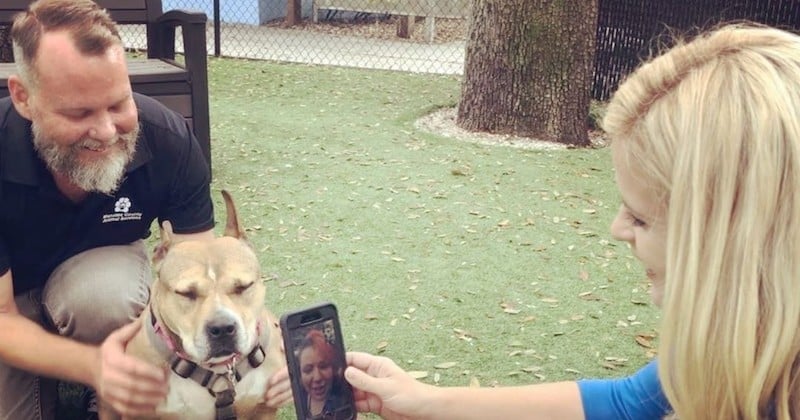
(97, 291)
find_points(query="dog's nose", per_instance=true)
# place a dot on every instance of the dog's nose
(220, 329)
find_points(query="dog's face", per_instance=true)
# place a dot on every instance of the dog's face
(208, 295)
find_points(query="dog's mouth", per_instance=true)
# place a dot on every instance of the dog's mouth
(226, 360)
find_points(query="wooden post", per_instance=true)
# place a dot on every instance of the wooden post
(405, 26)
(293, 12)
(430, 28)
(430, 25)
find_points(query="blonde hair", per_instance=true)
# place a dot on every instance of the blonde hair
(714, 126)
(91, 27)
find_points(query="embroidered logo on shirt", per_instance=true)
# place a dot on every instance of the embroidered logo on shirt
(122, 212)
(122, 205)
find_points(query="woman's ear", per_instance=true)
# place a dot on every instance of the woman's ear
(20, 95)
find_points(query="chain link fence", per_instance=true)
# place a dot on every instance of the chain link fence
(423, 36)
(429, 36)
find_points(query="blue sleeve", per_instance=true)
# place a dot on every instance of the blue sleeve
(638, 396)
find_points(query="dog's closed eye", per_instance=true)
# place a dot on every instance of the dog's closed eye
(241, 288)
(190, 294)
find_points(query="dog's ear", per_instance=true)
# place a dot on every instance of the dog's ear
(232, 227)
(166, 241)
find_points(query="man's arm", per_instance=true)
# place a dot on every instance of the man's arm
(131, 386)
(26, 345)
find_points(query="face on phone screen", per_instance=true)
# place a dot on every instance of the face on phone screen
(320, 365)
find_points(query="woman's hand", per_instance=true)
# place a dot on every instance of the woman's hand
(383, 388)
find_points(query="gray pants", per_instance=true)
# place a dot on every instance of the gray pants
(86, 298)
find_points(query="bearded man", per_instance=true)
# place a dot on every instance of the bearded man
(86, 166)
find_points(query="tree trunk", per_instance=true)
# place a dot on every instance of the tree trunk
(6, 54)
(528, 69)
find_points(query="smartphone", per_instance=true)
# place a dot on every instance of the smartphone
(315, 355)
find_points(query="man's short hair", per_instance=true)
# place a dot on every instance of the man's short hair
(89, 25)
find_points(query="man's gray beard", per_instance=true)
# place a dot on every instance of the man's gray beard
(103, 176)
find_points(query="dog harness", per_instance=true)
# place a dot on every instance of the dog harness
(222, 386)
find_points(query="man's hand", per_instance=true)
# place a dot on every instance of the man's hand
(130, 386)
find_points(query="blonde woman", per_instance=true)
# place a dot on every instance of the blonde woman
(706, 147)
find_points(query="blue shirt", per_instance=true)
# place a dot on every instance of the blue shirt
(638, 396)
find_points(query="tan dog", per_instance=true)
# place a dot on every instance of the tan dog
(206, 321)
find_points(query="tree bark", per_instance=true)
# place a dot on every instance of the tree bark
(528, 69)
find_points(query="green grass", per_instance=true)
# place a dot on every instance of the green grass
(434, 250)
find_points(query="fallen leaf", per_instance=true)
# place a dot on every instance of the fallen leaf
(290, 283)
(644, 341)
(589, 296)
(474, 382)
(463, 335)
(445, 365)
(418, 374)
(462, 171)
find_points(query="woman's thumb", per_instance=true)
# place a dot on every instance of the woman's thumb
(360, 380)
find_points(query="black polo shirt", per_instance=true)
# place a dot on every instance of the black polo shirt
(167, 179)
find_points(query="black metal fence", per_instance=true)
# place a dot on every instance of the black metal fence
(629, 31)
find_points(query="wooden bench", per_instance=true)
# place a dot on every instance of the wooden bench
(183, 87)
(406, 9)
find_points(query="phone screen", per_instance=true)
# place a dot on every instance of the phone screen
(316, 358)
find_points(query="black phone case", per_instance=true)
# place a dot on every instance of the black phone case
(294, 326)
